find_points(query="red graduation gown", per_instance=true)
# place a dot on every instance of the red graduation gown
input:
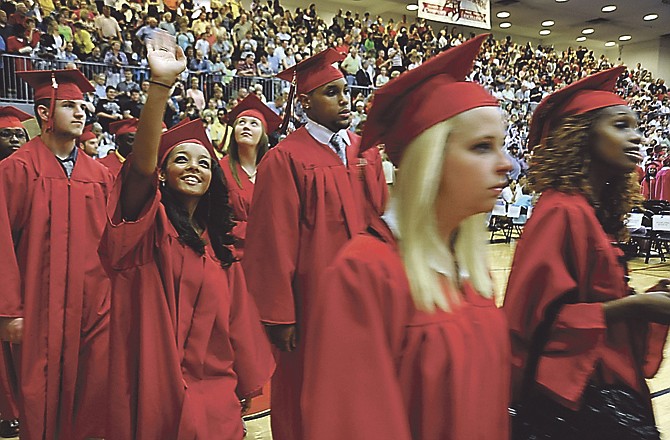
(378, 368)
(662, 191)
(186, 337)
(648, 188)
(240, 200)
(55, 280)
(565, 255)
(306, 205)
(112, 162)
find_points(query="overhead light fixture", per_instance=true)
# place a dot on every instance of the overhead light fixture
(548, 23)
(561, 1)
(650, 17)
(582, 38)
(609, 8)
(505, 24)
(545, 32)
(503, 14)
(412, 7)
(588, 31)
(625, 37)
(610, 44)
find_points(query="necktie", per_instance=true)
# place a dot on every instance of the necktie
(340, 147)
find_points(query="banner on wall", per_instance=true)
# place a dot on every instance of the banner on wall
(475, 13)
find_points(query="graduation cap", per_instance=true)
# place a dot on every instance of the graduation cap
(315, 71)
(68, 84)
(183, 133)
(88, 134)
(254, 107)
(123, 126)
(585, 95)
(12, 117)
(309, 74)
(422, 97)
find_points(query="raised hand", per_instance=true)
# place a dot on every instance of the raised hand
(165, 62)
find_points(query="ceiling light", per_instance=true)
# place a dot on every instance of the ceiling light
(412, 7)
(625, 38)
(505, 24)
(561, 1)
(609, 8)
(588, 31)
(582, 38)
(610, 44)
(503, 14)
(545, 32)
(548, 23)
(650, 17)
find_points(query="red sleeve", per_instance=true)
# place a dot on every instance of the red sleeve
(254, 363)
(130, 243)
(14, 187)
(273, 234)
(377, 188)
(350, 388)
(551, 262)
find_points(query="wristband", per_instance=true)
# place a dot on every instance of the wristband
(160, 84)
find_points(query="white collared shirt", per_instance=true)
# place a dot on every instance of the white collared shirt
(324, 135)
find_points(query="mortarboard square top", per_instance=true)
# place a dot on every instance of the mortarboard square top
(422, 97)
(123, 126)
(183, 133)
(590, 93)
(252, 106)
(71, 84)
(12, 117)
(315, 71)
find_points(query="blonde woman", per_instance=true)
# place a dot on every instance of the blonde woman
(406, 342)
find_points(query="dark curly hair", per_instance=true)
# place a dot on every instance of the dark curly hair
(213, 212)
(563, 163)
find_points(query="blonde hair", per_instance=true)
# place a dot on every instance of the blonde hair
(414, 197)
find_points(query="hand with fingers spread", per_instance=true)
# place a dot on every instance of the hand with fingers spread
(166, 62)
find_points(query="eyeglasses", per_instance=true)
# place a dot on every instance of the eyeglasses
(8, 134)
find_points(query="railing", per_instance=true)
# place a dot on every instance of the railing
(15, 90)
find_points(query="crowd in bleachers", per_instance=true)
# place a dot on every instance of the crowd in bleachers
(233, 51)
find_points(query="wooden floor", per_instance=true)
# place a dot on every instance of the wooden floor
(642, 277)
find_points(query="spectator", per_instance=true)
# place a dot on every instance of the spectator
(128, 83)
(247, 67)
(382, 78)
(132, 108)
(185, 37)
(264, 69)
(147, 31)
(351, 65)
(83, 42)
(202, 45)
(108, 109)
(363, 78)
(167, 25)
(107, 26)
(116, 60)
(198, 65)
(247, 45)
(196, 95)
(241, 28)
